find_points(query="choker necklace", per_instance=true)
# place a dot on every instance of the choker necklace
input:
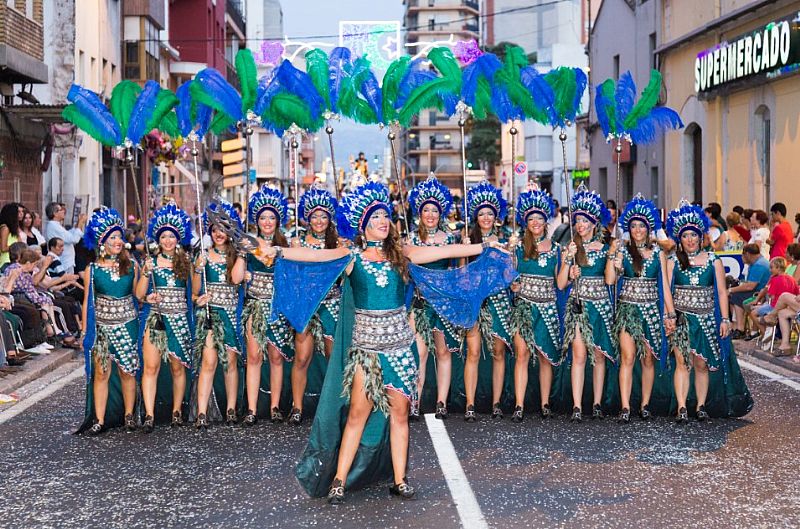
(640, 246)
(485, 237)
(112, 258)
(432, 231)
(168, 257)
(375, 244)
(318, 236)
(692, 255)
(221, 254)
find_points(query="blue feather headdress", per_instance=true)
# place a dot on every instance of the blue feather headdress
(431, 191)
(267, 198)
(356, 208)
(641, 122)
(102, 223)
(486, 195)
(227, 207)
(639, 208)
(590, 205)
(173, 219)
(535, 201)
(687, 217)
(317, 199)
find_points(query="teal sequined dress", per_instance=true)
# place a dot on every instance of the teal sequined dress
(596, 322)
(535, 315)
(257, 309)
(116, 319)
(638, 310)
(222, 308)
(323, 324)
(176, 340)
(426, 320)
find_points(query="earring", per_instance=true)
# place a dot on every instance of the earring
(363, 241)
(102, 250)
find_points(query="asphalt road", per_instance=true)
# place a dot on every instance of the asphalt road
(729, 473)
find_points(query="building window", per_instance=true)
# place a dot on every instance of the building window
(654, 191)
(431, 25)
(652, 51)
(132, 70)
(432, 118)
(763, 150)
(693, 162)
(616, 66)
(544, 149)
(602, 183)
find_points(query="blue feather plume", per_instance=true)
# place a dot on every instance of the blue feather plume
(371, 90)
(624, 98)
(414, 77)
(581, 81)
(338, 69)
(541, 92)
(268, 87)
(602, 106)
(211, 88)
(192, 115)
(299, 83)
(484, 66)
(142, 110)
(658, 119)
(96, 114)
(503, 107)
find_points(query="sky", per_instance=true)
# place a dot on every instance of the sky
(307, 18)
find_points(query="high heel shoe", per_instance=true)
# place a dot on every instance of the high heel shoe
(413, 413)
(230, 417)
(149, 424)
(177, 419)
(683, 416)
(546, 412)
(497, 412)
(275, 415)
(702, 415)
(295, 417)
(597, 412)
(469, 415)
(403, 489)
(250, 419)
(96, 429)
(576, 415)
(517, 415)
(441, 410)
(645, 413)
(130, 424)
(625, 415)
(202, 422)
(336, 492)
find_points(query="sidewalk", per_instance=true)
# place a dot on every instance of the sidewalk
(745, 349)
(36, 367)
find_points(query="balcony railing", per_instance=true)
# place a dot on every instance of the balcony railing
(471, 4)
(23, 41)
(471, 27)
(234, 9)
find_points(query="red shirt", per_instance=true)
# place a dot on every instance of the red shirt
(743, 232)
(781, 238)
(779, 284)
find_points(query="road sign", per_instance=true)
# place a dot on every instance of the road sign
(520, 168)
(232, 145)
(233, 181)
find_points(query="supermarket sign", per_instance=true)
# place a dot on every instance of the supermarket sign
(769, 51)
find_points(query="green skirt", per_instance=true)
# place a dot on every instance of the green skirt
(279, 334)
(538, 325)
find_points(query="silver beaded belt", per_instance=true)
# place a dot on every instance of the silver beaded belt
(537, 289)
(693, 299)
(222, 294)
(639, 290)
(334, 293)
(382, 331)
(592, 288)
(262, 285)
(173, 300)
(113, 311)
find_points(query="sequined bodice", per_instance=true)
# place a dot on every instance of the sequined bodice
(650, 266)
(544, 265)
(108, 282)
(441, 264)
(595, 262)
(254, 265)
(216, 272)
(376, 285)
(695, 275)
(165, 277)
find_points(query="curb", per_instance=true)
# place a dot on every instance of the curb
(784, 362)
(37, 367)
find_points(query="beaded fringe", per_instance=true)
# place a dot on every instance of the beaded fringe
(373, 378)
(158, 337)
(217, 335)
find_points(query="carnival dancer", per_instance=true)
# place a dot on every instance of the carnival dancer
(431, 203)
(372, 359)
(486, 207)
(317, 207)
(218, 343)
(535, 321)
(166, 316)
(701, 338)
(644, 313)
(588, 320)
(110, 325)
(267, 210)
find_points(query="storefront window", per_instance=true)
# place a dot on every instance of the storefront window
(763, 145)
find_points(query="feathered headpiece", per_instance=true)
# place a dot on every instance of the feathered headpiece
(102, 223)
(267, 198)
(639, 123)
(590, 205)
(431, 191)
(486, 195)
(535, 201)
(639, 208)
(227, 207)
(170, 218)
(687, 217)
(317, 199)
(355, 209)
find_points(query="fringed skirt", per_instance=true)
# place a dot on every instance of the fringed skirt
(118, 342)
(427, 322)
(323, 324)
(538, 325)
(256, 313)
(175, 340)
(495, 320)
(223, 331)
(643, 322)
(595, 322)
(697, 335)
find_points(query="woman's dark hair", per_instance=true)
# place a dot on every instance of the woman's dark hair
(331, 235)
(181, 265)
(580, 253)
(530, 248)
(793, 251)
(125, 262)
(636, 256)
(9, 216)
(683, 258)
(393, 251)
(230, 256)
(762, 216)
(27, 212)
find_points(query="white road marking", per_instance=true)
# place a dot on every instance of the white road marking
(467, 505)
(769, 374)
(51, 388)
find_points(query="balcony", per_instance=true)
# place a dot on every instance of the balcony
(474, 28)
(152, 9)
(21, 47)
(231, 75)
(444, 5)
(235, 10)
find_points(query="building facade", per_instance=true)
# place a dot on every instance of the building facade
(730, 69)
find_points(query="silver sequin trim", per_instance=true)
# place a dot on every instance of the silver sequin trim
(382, 331)
(113, 311)
(536, 289)
(694, 300)
(639, 290)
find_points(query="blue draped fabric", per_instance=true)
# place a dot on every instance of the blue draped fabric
(457, 294)
(91, 331)
(302, 287)
(724, 343)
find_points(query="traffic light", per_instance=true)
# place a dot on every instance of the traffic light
(233, 162)
(469, 165)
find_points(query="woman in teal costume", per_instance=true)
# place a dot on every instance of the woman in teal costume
(111, 326)
(318, 208)
(645, 315)
(431, 202)
(588, 322)
(700, 342)
(360, 431)
(485, 207)
(535, 322)
(216, 286)
(267, 210)
(167, 334)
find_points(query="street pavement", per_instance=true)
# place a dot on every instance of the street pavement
(729, 473)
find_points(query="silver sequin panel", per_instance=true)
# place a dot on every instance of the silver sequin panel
(262, 286)
(694, 300)
(173, 300)
(114, 311)
(222, 295)
(592, 288)
(382, 331)
(537, 289)
(639, 290)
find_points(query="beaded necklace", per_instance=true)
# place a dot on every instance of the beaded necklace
(378, 270)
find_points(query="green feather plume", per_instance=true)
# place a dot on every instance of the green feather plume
(317, 69)
(483, 99)
(248, 78)
(220, 123)
(123, 99)
(169, 125)
(647, 101)
(509, 76)
(391, 87)
(350, 104)
(74, 116)
(562, 81)
(286, 109)
(165, 102)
